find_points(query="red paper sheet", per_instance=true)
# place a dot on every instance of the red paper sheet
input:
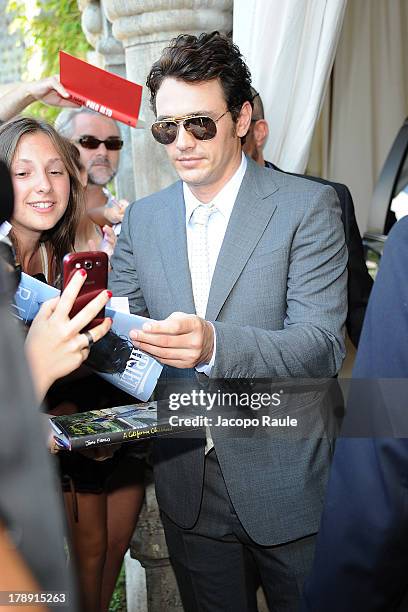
(102, 91)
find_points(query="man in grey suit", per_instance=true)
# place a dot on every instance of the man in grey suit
(243, 271)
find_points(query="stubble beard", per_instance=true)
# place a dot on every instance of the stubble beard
(94, 179)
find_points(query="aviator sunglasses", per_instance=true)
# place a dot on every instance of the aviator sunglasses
(112, 143)
(200, 126)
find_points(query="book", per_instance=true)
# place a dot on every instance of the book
(109, 426)
(128, 368)
(30, 296)
(114, 357)
(99, 90)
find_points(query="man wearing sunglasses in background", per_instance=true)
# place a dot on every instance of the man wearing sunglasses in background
(99, 143)
(243, 272)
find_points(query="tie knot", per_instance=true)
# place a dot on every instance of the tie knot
(202, 213)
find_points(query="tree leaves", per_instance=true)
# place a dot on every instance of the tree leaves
(49, 26)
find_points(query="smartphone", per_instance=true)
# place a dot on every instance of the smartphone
(95, 263)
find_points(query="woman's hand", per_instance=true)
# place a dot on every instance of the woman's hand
(55, 345)
(51, 92)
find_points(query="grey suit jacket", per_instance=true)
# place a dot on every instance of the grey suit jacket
(278, 302)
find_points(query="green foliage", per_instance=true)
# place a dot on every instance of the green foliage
(118, 601)
(55, 26)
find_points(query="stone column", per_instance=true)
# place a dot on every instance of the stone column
(145, 28)
(109, 54)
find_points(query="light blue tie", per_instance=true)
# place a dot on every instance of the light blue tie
(200, 258)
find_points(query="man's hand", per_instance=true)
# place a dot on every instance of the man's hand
(182, 340)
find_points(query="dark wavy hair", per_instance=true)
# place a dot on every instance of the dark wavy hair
(204, 58)
(61, 238)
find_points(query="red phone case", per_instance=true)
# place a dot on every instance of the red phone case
(95, 263)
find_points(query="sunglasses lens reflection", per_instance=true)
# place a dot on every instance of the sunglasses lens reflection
(202, 128)
(164, 132)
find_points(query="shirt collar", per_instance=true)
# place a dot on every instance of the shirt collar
(224, 200)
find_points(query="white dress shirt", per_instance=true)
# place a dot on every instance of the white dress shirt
(224, 202)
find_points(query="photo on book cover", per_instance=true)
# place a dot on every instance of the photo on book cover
(106, 426)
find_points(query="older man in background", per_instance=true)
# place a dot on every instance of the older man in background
(99, 143)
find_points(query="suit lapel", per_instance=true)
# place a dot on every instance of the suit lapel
(250, 216)
(172, 242)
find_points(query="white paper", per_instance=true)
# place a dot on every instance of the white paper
(121, 304)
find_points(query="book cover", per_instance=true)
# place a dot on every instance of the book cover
(99, 90)
(114, 357)
(30, 296)
(109, 426)
(125, 366)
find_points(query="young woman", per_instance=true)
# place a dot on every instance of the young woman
(46, 207)
(102, 498)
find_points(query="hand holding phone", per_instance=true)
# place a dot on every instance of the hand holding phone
(95, 264)
(56, 344)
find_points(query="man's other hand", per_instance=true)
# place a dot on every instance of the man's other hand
(182, 340)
